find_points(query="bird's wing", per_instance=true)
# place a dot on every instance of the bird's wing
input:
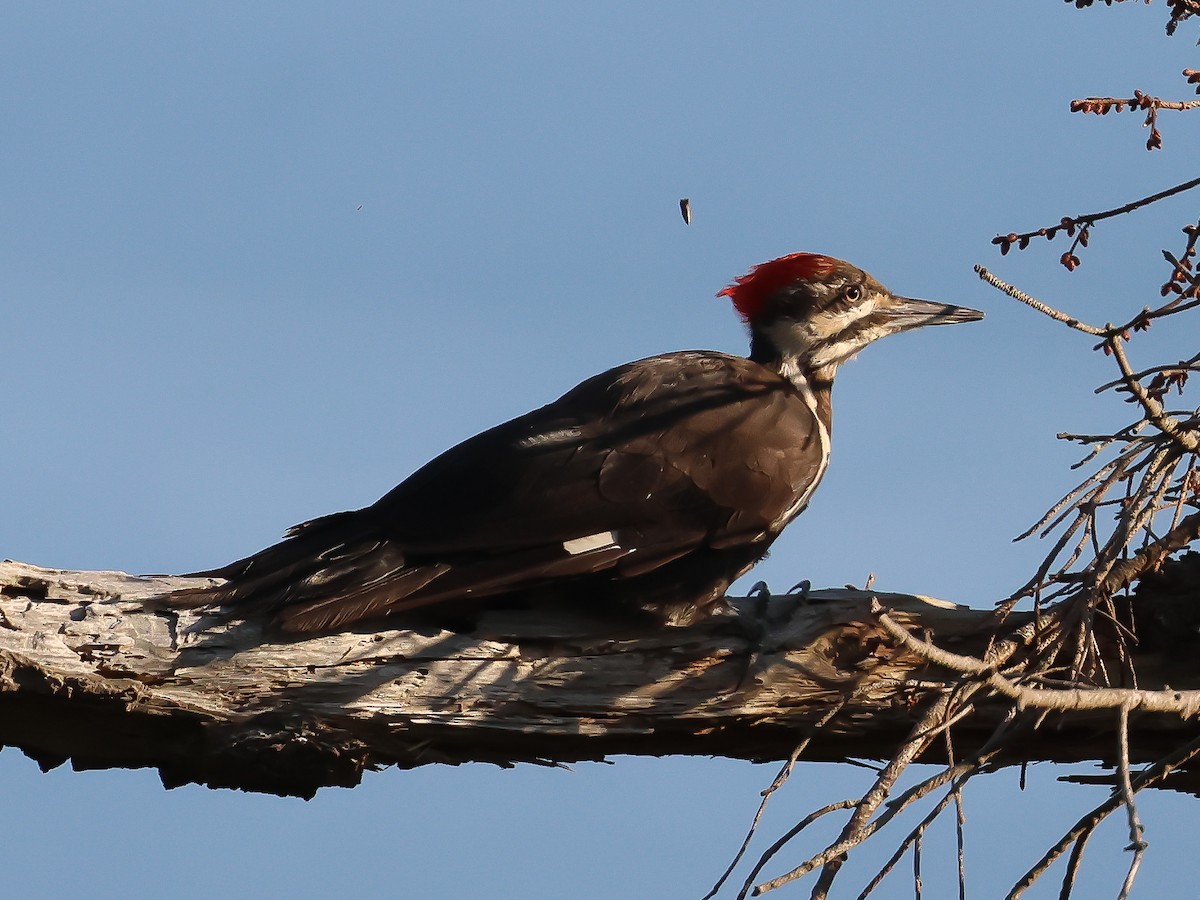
(665, 451)
(633, 469)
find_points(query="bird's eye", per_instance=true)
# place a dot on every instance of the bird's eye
(853, 292)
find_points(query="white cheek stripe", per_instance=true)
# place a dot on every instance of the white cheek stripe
(835, 354)
(600, 541)
(828, 324)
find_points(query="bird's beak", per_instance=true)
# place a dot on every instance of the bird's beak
(906, 314)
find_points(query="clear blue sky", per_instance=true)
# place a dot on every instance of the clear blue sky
(260, 261)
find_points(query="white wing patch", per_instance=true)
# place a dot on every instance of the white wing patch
(550, 438)
(602, 540)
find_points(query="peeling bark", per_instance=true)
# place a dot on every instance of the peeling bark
(89, 674)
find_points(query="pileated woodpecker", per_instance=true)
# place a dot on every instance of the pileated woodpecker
(649, 487)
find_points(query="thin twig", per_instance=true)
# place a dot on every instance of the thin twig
(917, 864)
(858, 828)
(1154, 410)
(1135, 104)
(1184, 365)
(1074, 860)
(1033, 302)
(960, 820)
(1151, 775)
(914, 835)
(780, 779)
(1151, 557)
(784, 840)
(1137, 842)
(1185, 704)
(1070, 223)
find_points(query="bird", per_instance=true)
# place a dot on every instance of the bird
(644, 491)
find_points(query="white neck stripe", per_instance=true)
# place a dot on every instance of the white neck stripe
(790, 369)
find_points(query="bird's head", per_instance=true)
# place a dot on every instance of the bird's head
(812, 313)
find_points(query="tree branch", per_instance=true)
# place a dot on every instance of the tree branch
(88, 674)
(1071, 697)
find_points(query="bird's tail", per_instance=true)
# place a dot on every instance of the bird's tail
(327, 557)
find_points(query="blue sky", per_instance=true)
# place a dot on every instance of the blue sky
(262, 261)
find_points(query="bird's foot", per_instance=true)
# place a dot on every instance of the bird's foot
(753, 626)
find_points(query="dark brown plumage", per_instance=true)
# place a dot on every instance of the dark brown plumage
(650, 487)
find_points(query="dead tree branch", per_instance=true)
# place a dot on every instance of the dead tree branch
(88, 675)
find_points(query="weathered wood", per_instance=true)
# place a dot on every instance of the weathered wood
(89, 674)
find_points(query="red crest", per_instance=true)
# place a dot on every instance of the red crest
(750, 292)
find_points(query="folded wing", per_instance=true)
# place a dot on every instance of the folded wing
(671, 466)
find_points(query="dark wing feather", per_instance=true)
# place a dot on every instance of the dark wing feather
(671, 455)
(655, 445)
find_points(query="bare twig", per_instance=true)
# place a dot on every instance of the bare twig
(1138, 102)
(1151, 775)
(960, 820)
(1034, 303)
(1083, 223)
(917, 864)
(780, 779)
(914, 836)
(1076, 857)
(770, 852)
(1137, 842)
(1102, 105)
(858, 828)
(1184, 365)
(1180, 703)
(1188, 440)
(1127, 571)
